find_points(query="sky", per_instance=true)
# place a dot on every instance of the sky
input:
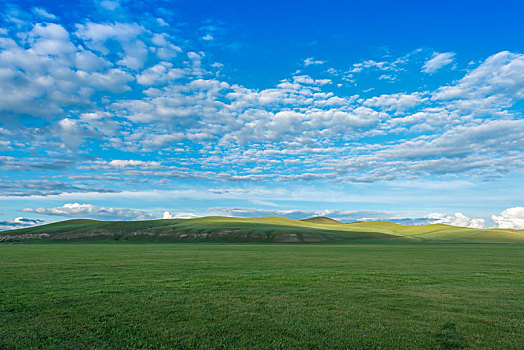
(407, 111)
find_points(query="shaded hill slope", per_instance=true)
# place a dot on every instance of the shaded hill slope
(261, 229)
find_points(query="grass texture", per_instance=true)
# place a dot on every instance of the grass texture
(261, 296)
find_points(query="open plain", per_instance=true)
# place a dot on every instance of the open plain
(382, 295)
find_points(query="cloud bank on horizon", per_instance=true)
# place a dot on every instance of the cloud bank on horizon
(107, 103)
(511, 218)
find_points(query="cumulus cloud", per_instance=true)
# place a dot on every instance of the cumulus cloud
(159, 74)
(307, 80)
(311, 61)
(510, 218)
(125, 87)
(438, 61)
(40, 12)
(168, 215)
(73, 132)
(101, 37)
(110, 5)
(19, 222)
(46, 74)
(458, 219)
(77, 210)
(399, 103)
(496, 83)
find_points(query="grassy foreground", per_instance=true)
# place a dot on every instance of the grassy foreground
(109, 296)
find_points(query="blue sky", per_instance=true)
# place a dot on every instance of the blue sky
(404, 111)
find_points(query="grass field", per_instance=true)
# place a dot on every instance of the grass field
(411, 296)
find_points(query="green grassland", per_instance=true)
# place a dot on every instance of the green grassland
(261, 296)
(262, 229)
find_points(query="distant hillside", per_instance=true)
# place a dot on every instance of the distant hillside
(262, 229)
(321, 220)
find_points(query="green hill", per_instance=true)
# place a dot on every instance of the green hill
(321, 220)
(261, 229)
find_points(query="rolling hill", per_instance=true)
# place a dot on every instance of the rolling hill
(321, 220)
(261, 229)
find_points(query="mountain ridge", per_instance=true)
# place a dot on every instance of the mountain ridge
(268, 229)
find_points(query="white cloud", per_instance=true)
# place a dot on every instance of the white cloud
(19, 222)
(159, 74)
(458, 219)
(399, 103)
(164, 49)
(387, 66)
(52, 74)
(311, 61)
(438, 61)
(110, 5)
(162, 22)
(118, 163)
(208, 37)
(510, 218)
(307, 80)
(497, 82)
(123, 86)
(193, 56)
(121, 164)
(298, 114)
(100, 37)
(73, 132)
(77, 210)
(22, 188)
(50, 39)
(40, 12)
(168, 215)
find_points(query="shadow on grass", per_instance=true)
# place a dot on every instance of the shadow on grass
(449, 338)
